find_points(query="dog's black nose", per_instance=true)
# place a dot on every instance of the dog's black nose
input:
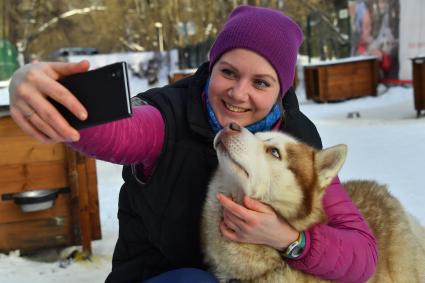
(235, 127)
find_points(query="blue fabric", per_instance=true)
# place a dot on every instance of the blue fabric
(358, 18)
(184, 275)
(265, 124)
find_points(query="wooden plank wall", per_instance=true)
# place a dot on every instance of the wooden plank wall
(419, 83)
(26, 165)
(334, 82)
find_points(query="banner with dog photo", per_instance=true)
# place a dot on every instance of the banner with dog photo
(375, 31)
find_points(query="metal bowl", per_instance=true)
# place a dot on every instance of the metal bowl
(35, 200)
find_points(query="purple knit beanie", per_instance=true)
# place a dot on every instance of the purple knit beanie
(268, 32)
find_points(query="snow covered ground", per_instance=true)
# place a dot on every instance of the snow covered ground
(386, 143)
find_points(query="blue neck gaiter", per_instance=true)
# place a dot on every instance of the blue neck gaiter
(265, 124)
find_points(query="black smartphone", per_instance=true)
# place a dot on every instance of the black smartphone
(104, 92)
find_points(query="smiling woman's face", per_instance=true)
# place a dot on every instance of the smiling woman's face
(243, 87)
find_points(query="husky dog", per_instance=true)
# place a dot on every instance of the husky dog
(278, 170)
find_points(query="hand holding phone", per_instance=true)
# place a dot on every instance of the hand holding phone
(104, 92)
(29, 89)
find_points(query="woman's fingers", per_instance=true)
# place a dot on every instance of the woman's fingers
(256, 205)
(47, 119)
(29, 89)
(30, 115)
(60, 93)
(234, 207)
(63, 69)
(45, 128)
(232, 221)
(228, 233)
(49, 113)
(48, 86)
(27, 127)
(43, 117)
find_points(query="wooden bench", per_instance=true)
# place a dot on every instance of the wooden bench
(341, 79)
(27, 165)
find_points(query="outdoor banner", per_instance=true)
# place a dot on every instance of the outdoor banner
(412, 35)
(375, 31)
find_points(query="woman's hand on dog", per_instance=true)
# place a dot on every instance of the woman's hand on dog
(33, 113)
(255, 223)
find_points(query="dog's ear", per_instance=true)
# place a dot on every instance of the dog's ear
(328, 162)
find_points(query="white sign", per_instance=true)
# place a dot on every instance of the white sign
(412, 35)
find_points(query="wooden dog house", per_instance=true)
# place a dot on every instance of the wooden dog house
(27, 165)
(419, 83)
(180, 74)
(341, 79)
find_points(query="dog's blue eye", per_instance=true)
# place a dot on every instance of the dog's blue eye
(275, 152)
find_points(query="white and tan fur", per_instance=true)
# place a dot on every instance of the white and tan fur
(294, 185)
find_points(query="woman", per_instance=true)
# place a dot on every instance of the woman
(167, 149)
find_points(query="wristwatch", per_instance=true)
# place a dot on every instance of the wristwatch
(296, 248)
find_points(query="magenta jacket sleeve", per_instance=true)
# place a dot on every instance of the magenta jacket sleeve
(138, 139)
(344, 249)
